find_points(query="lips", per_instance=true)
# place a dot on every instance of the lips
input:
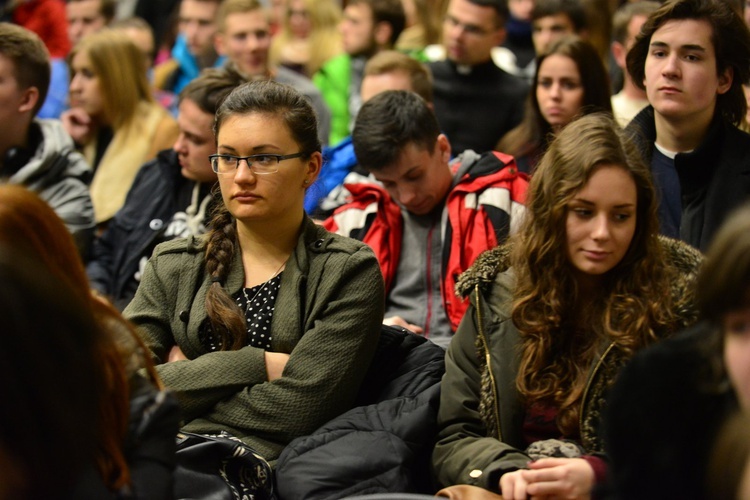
(669, 90)
(245, 196)
(595, 255)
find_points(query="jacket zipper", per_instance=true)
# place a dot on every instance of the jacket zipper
(480, 321)
(588, 386)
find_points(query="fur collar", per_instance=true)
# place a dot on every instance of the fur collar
(682, 257)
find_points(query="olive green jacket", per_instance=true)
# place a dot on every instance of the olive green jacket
(481, 414)
(327, 317)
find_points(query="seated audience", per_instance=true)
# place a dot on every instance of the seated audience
(386, 70)
(368, 27)
(309, 36)
(691, 59)
(36, 153)
(626, 24)
(83, 18)
(265, 326)
(93, 426)
(553, 19)
(88, 16)
(422, 27)
(476, 102)
(46, 19)
(171, 196)
(428, 218)
(518, 41)
(193, 51)
(244, 37)
(584, 284)
(570, 80)
(113, 116)
(671, 400)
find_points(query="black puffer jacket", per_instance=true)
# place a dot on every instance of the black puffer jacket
(384, 444)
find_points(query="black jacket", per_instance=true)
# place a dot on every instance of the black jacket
(384, 444)
(664, 413)
(131, 235)
(714, 178)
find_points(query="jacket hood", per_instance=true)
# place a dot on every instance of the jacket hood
(682, 257)
(54, 158)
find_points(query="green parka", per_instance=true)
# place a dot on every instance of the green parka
(481, 414)
(327, 317)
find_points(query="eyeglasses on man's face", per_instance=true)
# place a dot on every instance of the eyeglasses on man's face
(261, 164)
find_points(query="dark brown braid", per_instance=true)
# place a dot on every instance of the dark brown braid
(225, 317)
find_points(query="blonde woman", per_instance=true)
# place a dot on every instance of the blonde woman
(308, 37)
(113, 117)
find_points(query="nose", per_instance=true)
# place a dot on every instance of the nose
(406, 195)
(555, 91)
(189, 31)
(244, 174)
(179, 143)
(74, 83)
(671, 66)
(601, 228)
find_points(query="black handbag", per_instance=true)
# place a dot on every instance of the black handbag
(220, 467)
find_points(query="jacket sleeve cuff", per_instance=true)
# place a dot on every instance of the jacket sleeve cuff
(599, 465)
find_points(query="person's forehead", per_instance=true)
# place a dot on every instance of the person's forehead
(634, 26)
(195, 9)
(559, 20)
(470, 13)
(360, 11)
(84, 8)
(685, 32)
(246, 21)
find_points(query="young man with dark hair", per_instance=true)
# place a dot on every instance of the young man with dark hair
(368, 27)
(386, 70)
(170, 197)
(37, 153)
(553, 19)
(476, 102)
(429, 218)
(691, 59)
(88, 16)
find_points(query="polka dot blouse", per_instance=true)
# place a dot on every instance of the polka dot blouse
(258, 303)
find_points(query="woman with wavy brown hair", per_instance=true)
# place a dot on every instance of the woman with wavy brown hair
(554, 315)
(135, 423)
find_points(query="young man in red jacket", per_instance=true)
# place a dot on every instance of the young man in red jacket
(428, 218)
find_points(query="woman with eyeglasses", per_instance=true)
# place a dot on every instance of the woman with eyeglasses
(265, 326)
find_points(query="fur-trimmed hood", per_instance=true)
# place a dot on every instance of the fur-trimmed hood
(685, 260)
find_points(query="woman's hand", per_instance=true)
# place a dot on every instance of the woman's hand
(78, 125)
(176, 354)
(399, 321)
(513, 485)
(571, 478)
(275, 363)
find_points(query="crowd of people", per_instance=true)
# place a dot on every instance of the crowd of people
(322, 248)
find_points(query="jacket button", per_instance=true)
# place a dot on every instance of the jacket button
(156, 224)
(475, 473)
(184, 316)
(318, 244)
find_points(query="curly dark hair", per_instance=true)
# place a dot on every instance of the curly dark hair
(560, 330)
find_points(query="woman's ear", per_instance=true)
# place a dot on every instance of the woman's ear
(314, 164)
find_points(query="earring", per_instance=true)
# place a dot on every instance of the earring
(306, 182)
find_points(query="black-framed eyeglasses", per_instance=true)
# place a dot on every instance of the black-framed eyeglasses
(261, 164)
